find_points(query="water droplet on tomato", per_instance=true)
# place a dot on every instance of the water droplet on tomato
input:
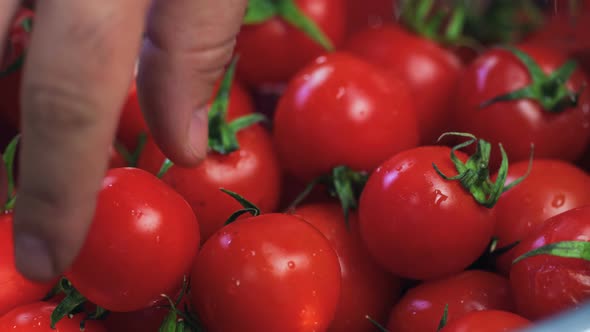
(558, 201)
(238, 283)
(291, 265)
(439, 197)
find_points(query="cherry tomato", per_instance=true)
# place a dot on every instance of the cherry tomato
(273, 51)
(36, 317)
(551, 188)
(487, 321)
(131, 121)
(274, 272)
(518, 123)
(417, 224)
(544, 285)
(146, 320)
(430, 71)
(11, 62)
(422, 307)
(140, 245)
(15, 289)
(362, 14)
(366, 288)
(338, 111)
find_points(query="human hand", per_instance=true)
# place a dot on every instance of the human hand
(78, 70)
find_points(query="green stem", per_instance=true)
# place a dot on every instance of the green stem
(8, 158)
(248, 207)
(565, 249)
(380, 327)
(445, 317)
(166, 165)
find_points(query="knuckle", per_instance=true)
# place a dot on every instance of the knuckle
(51, 107)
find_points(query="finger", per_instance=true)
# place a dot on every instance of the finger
(7, 10)
(77, 74)
(187, 46)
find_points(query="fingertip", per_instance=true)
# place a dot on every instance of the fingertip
(33, 257)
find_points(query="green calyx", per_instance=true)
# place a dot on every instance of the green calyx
(8, 158)
(375, 323)
(222, 135)
(248, 207)
(343, 183)
(565, 249)
(259, 11)
(180, 320)
(132, 158)
(73, 303)
(550, 91)
(445, 25)
(474, 174)
(444, 319)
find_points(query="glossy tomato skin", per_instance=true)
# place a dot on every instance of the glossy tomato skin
(131, 121)
(418, 225)
(367, 289)
(430, 71)
(517, 124)
(273, 51)
(340, 110)
(146, 320)
(15, 290)
(10, 79)
(370, 13)
(274, 272)
(552, 187)
(422, 307)
(140, 225)
(488, 321)
(546, 285)
(37, 317)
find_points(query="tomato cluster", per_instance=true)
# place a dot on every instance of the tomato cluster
(364, 173)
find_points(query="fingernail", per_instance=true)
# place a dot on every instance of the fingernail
(33, 258)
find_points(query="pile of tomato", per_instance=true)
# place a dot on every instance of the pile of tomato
(418, 174)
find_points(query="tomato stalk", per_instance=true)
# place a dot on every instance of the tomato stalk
(8, 159)
(131, 158)
(474, 174)
(248, 207)
(223, 134)
(343, 183)
(380, 327)
(550, 91)
(444, 319)
(565, 249)
(260, 11)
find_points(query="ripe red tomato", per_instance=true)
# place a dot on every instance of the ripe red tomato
(15, 289)
(131, 121)
(340, 110)
(366, 288)
(430, 71)
(36, 317)
(370, 13)
(11, 62)
(487, 321)
(116, 160)
(140, 245)
(518, 123)
(544, 285)
(273, 51)
(551, 188)
(274, 272)
(422, 307)
(419, 225)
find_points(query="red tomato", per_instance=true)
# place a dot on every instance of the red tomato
(273, 51)
(146, 320)
(418, 225)
(36, 317)
(341, 110)
(15, 290)
(551, 188)
(544, 285)
(274, 272)
(253, 171)
(131, 121)
(488, 321)
(422, 307)
(516, 124)
(430, 71)
(370, 13)
(366, 288)
(11, 62)
(116, 160)
(140, 245)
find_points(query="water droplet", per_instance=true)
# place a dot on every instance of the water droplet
(439, 197)
(558, 201)
(291, 265)
(238, 283)
(253, 253)
(341, 92)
